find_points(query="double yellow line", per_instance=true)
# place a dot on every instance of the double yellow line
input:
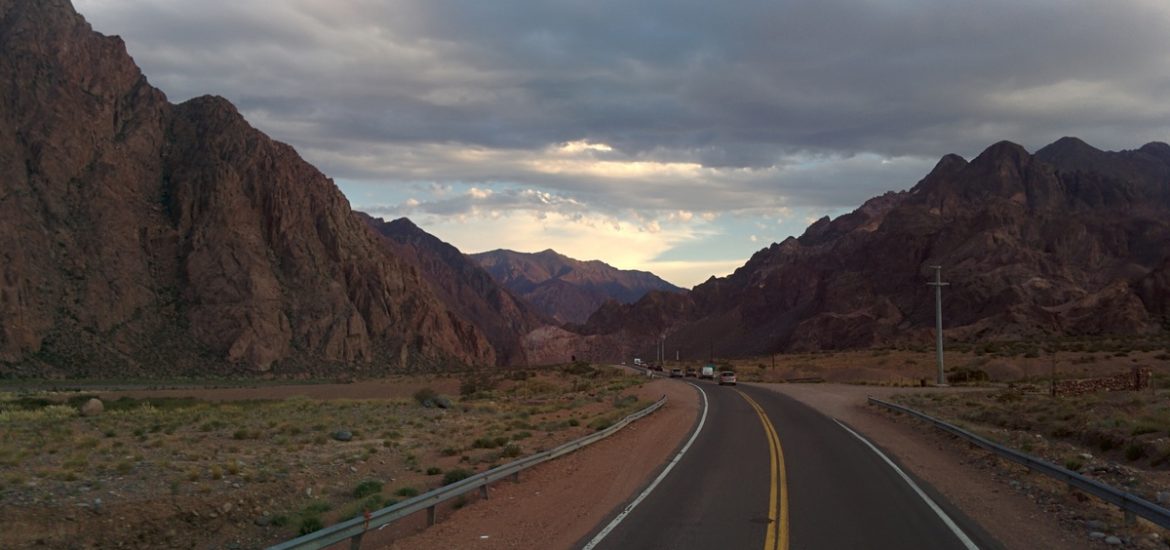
(777, 537)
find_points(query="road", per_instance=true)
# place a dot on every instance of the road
(813, 484)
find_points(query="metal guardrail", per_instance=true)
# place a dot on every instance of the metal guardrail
(353, 529)
(1129, 504)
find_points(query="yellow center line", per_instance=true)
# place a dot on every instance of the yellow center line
(777, 537)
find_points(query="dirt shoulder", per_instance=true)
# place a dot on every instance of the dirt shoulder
(557, 503)
(962, 475)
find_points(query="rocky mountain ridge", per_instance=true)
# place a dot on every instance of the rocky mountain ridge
(1068, 241)
(566, 289)
(141, 237)
(465, 288)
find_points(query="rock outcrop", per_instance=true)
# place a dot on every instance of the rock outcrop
(467, 289)
(1070, 241)
(141, 237)
(565, 289)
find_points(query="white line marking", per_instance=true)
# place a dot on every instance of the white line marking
(967, 542)
(616, 521)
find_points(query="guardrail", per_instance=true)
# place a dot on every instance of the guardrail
(1129, 504)
(353, 529)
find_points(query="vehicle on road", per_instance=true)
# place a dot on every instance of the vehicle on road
(727, 378)
(676, 373)
(637, 362)
(692, 373)
(708, 372)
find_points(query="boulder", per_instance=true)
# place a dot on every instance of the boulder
(93, 407)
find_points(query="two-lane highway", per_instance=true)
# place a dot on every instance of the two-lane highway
(768, 472)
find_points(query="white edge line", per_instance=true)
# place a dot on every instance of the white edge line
(629, 508)
(967, 542)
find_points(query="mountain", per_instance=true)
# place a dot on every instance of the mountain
(565, 289)
(465, 288)
(140, 237)
(1069, 241)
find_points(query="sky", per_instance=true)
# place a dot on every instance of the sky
(674, 136)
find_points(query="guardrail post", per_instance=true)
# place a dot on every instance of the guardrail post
(516, 477)
(1130, 519)
(355, 542)
(483, 491)
(430, 516)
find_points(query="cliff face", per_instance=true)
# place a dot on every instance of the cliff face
(143, 237)
(466, 289)
(1069, 241)
(566, 289)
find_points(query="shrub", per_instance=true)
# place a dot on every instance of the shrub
(434, 471)
(511, 451)
(367, 488)
(316, 507)
(407, 492)
(1134, 452)
(456, 475)
(424, 395)
(310, 524)
(1073, 464)
(484, 443)
(574, 422)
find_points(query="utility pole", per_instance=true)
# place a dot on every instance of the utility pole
(938, 284)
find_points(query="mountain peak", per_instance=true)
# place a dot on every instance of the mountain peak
(1002, 150)
(1067, 147)
(564, 288)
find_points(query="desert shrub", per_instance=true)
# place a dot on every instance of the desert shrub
(580, 368)
(521, 435)
(574, 422)
(425, 394)
(280, 520)
(434, 471)
(511, 451)
(453, 476)
(310, 524)
(407, 492)
(367, 488)
(624, 400)
(316, 507)
(601, 423)
(1073, 464)
(484, 443)
(1134, 452)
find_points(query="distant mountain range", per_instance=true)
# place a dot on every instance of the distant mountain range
(465, 287)
(1069, 241)
(144, 238)
(565, 289)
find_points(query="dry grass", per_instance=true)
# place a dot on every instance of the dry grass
(283, 454)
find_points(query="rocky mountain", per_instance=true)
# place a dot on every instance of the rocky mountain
(465, 288)
(565, 289)
(1068, 241)
(142, 237)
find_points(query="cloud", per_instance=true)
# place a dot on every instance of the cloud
(626, 114)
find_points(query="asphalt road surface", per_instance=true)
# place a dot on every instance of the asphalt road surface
(766, 471)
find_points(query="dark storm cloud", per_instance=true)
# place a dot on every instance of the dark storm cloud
(396, 90)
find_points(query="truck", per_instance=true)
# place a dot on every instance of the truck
(708, 371)
(637, 362)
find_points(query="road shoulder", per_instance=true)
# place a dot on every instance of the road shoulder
(558, 503)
